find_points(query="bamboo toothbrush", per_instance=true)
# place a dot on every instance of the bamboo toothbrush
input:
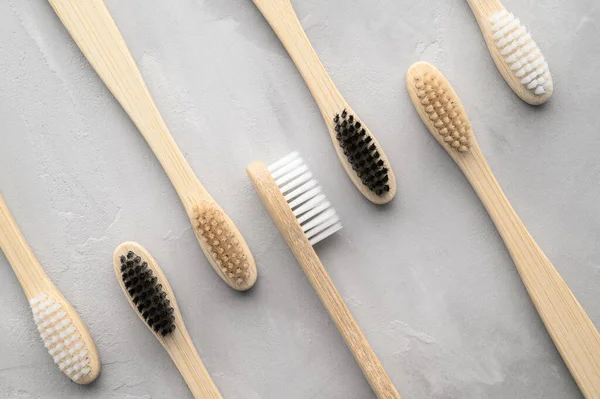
(96, 34)
(569, 326)
(516, 55)
(304, 217)
(65, 336)
(152, 298)
(359, 152)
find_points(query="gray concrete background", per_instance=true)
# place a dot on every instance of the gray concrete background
(427, 277)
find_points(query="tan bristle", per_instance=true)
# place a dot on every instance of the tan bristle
(443, 108)
(224, 246)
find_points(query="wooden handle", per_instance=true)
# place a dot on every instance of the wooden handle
(181, 349)
(32, 277)
(320, 280)
(485, 8)
(282, 18)
(569, 326)
(93, 29)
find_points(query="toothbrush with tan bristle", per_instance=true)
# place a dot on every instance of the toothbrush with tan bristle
(151, 297)
(569, 326)
(359, 152)
(96, 34)
(305, 217)
(64, 334)
(516, 55)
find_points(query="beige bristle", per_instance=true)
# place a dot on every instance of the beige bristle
(224, 246)
(442, 107)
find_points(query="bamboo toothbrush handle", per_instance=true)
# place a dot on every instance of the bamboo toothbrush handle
(569, 326)
(32, 277)
(293, 234)
(95, 32)
(282, 18)
(359, 346)
(484, 8)
(188, 362)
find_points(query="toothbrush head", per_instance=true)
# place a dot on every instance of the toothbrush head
(66, 338)
(147, 293)
(363, 154)
(440, 108)
(146, 288)
(305, 197)
(224, 246)
(519, 58)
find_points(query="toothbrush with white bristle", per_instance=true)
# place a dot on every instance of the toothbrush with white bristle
(65, 336)
(517, 56)
(305, 217)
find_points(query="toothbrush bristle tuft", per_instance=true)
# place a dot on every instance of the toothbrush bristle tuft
(443, 109)
(64, 343)
(212, 227)
(361, 152)
(148, 296)
(520, 53)
(303, 194)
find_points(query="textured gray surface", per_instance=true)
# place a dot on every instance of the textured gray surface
(427, 277)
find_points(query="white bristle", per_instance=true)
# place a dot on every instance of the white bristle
(520, 53)
(60, 336)
(305, 197)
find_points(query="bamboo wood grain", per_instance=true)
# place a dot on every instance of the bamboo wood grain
(282, 18)
(483, 10)
(291, 230)
(178, 344)
(95, 32)
(568, 324)
(35, 282)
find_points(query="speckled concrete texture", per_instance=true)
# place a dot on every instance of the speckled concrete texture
(427, 277)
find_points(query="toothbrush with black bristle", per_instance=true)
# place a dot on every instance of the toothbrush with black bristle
(357, 148)
(151, 296)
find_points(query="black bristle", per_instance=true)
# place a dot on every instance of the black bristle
(148, 296)
(362, 152)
